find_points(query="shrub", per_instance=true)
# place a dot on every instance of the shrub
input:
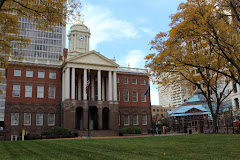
(131, 130)
(56, 131)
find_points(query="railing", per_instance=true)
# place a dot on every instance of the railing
(135, 70)
(38, 61)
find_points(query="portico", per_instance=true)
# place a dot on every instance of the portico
(100, 100)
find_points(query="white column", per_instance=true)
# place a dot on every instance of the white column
(75, 42)
(63, 84)
(115, 86)
(107, 93)
(84, 84)
(72, 41)
(92, 88)
(103, 89)
(73, 84)
(67, 82)
(99, 85)
(110, 85)
(79, 87)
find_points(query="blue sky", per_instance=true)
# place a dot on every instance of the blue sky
(124, 28)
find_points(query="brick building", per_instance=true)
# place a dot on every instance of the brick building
(43, 93)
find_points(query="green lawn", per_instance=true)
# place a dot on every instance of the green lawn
(169, 147)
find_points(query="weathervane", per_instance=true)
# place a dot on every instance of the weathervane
(79, 18)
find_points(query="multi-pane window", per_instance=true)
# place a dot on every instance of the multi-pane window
(29, 73)
(16, 91)
(40, 91)
(157, 110)
(153, 110)
(125, 80)
(28, 91)
(51, 92)
(52, 75)
(126, 96)
(135, 119)
(134, 81)
(126, 120)
(118, 95)
(39, 119)
(51, 119)
(236, 103)
(144, 120)
(142, 82)
(41, 74)
(135, 96)
(143, 97)
(14, 119)
(17, 72)
(27, 118)
(117, 79)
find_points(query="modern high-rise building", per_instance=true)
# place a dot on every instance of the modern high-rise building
(44, 45)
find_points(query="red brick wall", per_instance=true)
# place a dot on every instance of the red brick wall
(133, 87)
(34, 81)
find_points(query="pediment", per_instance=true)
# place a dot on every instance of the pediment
(194, 110)
(93, 58)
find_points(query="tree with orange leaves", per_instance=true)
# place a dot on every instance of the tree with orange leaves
(201, 50)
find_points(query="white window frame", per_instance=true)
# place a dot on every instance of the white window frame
(126, 81)
(118, 81)
(142, 95)
(127, 96)
(126, 120)
(135, 120)
(16, 73)
(136, 96)
(14, 94)
(52, 73)
(143, 80)
(118, 95)
(144, 118)
(40, 94)
(13, 119)
(134, 82)
(41, 119)
(28, 91)
(29, 73)
(27, 122)
(41, 74)
(51, 124)
(53, 93)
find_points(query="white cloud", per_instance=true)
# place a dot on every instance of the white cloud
(134, 58)
(104, 27)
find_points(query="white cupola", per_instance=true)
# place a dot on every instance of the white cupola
(78, 37)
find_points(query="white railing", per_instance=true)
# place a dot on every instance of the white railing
(135, 70)
(38, 61)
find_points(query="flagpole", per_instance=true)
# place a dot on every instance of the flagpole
(151, 108)
(88, 92)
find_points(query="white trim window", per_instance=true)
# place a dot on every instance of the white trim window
(143, 97)
(40, 91)
(14, 119)
(126, 120)
(28, 91)
(144, 120)
(29, 73)
(135, 96)
(126, 96)
(27, 119)
(118, 95)
(52, 75)
(135, 119)
(17, 72)
(41, 74)
(143, 82)
(125, 80)
(118, 80)
(51, 119)
(16, 90)
(51, 92)
(39, 119)
(134, 81)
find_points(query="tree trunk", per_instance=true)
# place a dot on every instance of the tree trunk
(215, 128)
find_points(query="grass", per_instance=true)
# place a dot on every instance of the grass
(168, 147)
